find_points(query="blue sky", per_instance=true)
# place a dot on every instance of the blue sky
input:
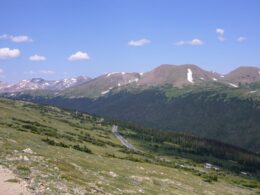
(91, 37)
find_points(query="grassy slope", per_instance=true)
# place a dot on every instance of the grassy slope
(109, 168)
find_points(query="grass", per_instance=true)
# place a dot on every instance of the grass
(77, 153)
(23, 171)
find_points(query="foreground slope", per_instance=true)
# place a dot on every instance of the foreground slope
(59, 152)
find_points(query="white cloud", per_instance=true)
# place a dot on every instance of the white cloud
(220, 32)
(37, 58)
(46, 72)
(139, 42)
(79, 56)
(241, 39)
(6, 53)
(194, 42)
(30, 72)
(17, 39)
(1, 71)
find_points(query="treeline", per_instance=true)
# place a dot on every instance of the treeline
(194, 146)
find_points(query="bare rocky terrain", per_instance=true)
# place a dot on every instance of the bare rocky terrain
(10, 184)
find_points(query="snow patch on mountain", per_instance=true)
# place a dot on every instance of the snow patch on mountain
(133, 80)
(189, 76)
(105, 92)
(233, 85)
(112, 73)
(41, 84)
(68, 82)
(214, 79)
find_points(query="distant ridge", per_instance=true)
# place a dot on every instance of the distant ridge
(176, 75)
(41, 84)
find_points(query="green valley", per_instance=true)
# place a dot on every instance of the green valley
(213, 111)
(57, 152)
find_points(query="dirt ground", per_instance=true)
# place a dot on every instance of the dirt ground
(11, 185)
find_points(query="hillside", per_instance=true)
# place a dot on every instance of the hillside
(101, 85)
(215, 111)
(177, 76)
(182, 98)
(57, 152)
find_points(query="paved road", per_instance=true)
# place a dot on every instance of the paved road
(121, 138)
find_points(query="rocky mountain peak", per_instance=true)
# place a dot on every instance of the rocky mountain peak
(244, 75)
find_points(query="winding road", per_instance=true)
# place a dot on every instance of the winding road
(122, 139)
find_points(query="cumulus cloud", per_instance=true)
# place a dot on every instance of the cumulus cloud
(46, 72)
(6, 53)
(17, 39)
(220, 32)
(79, 56)
(194, 42)
(37, 58)
(241, 39)
(139, 42)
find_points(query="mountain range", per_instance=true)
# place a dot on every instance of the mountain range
(182, 98)
(177, 76)
(41, 84)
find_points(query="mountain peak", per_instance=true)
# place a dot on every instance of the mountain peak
(246, 70)
(244, 74)
(37, 80)
(177, 75)
(167, 66)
